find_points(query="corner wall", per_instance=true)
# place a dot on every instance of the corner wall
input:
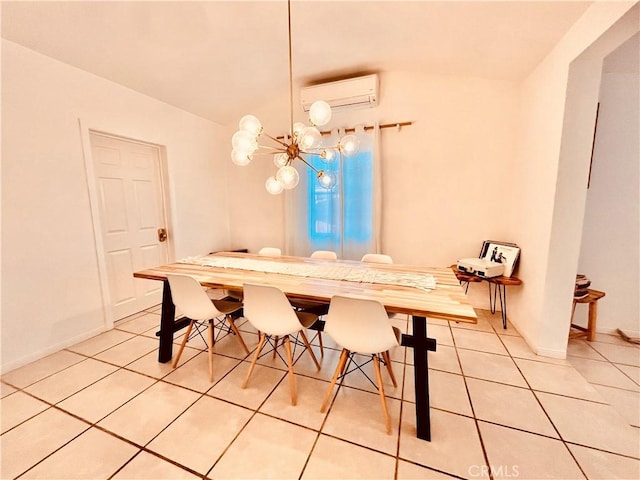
(50, 284)
(610, 252)
(446, 178)
(558, 105)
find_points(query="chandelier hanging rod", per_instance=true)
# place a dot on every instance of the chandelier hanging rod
(290, 67)
(301, 140)
(367, 127)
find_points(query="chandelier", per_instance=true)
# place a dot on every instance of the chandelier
(301, 141)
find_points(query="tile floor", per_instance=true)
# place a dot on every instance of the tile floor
(105, 408)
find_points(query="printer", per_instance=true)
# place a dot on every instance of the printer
(481, 267)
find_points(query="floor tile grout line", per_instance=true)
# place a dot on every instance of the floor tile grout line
(54, 451)
(91, 425)
(133, 335)
(603, 450)
(95, 425)
(76, 391)
(613, 387)
(616, 365)
(404, 381)
(239, 362)
(566, 446)
(473, 412)
(13, 385)
(253, 415)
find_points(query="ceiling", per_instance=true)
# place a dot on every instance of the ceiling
(218, 58)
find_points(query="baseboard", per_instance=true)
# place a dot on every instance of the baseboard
(32, 357)
(543, 352)
(548, 352)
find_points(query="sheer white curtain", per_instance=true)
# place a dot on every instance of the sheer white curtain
(345, 219)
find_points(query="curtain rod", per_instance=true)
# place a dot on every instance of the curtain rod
(367, 127)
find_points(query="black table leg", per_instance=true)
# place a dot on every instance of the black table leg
(167, 325)
(502, 291)
(421, 344)
(492, 297)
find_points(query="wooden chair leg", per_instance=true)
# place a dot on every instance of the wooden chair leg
(387, 361)
(275, 346)
(263, 339)
(308, 346)
(211, 340)
(321, 345)
(383, 399)
(339, 369)
(292, 382)
(232, 324)
(184, 342)
(591, 325)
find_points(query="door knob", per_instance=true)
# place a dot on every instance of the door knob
(162, 234)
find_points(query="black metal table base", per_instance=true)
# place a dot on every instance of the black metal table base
(421, 345)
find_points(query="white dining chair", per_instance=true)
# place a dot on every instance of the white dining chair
(376, 258)
(361, 327)
(379, 258)
(324, 255)
(269, 311)
(270, 252)
(317, 308)
(194, 303)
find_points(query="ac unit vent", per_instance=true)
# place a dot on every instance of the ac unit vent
(358, 92)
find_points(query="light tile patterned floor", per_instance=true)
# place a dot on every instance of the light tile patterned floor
(105, 408)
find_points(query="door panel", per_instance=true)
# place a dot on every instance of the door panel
(131, 210)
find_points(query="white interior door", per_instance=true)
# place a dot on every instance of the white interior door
(131, 210)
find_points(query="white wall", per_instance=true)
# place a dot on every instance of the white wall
(50, 283)
(445, 179)
(558, 104)
(610, 251)
(519, 151)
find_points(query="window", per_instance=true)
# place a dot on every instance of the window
(325, 206)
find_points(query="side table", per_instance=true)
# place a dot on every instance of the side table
(592, 299)
(499, 289)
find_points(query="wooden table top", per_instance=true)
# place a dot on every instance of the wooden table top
(447, 301)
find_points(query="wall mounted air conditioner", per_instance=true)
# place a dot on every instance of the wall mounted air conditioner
(355, 92)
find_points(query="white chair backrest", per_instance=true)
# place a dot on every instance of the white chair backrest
(376, 258)
(270, 252)
(269, 310)
(189, 296)
(360, 325)
(324, 254)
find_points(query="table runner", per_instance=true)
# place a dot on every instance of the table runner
(364, 273)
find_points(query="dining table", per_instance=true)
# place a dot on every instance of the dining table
(418, 291)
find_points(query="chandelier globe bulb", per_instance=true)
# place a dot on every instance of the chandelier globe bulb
(320, 113)
(288, 176)
(298, 127)
(349, 145)
(273, 186)
(328, 155)
(251, 124)
(326, 179)
(310, 137)
(244, 140)
(280, 159)
(240, 157)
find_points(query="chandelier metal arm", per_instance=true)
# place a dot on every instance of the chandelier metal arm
(308, 164)
(275, 139)
(271, 151)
